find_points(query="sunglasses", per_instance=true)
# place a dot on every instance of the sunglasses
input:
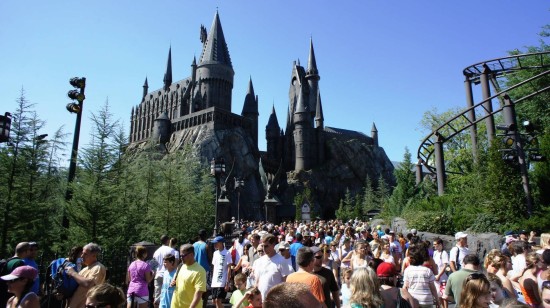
(260, 251)
(546, 284)
(318, 257)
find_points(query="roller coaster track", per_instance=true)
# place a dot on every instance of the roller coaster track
(498, 67)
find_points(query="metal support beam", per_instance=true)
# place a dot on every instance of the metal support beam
(419, 171)
(488, 105)
(440, 164)
(471, 116)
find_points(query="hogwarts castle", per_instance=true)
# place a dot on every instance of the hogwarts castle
(197, 110)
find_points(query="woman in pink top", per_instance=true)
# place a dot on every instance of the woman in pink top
(138, 277)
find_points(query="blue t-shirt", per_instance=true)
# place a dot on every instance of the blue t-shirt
(200, 255)
(36, 286)
(294, 251)
(167, 291)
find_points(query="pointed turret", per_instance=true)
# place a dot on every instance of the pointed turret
(311, 63)
(145, 89)
(302, 134)
(214, 69)
(319, 118)
(374, 134)
(250, 104)
(273, 123)
(215, 49)
(272, 135)
(168, 75)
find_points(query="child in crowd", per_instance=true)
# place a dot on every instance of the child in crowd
(346, 291)
(240, 293)
(221, 271)
(253, 296)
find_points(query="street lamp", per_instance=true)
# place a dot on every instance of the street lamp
(239, 184)
(5, 126)
(217, 170)
(75, 95)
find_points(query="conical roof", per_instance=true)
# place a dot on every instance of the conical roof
(215, 48)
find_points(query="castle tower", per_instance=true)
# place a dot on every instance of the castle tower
(302, 134)
(374, 134)
(215, 70)
(168, 75)
(312, 77)
(161, 129)
(319, 131)
(250, 111)
(145, 89)
(273, 136)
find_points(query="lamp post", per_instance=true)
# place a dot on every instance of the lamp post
(217, 169)
(5, 126)
(239, 184)
(78, 95)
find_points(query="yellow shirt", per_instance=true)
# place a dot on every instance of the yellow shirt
(190, 279)
(95, 271)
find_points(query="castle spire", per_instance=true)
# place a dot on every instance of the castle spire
(145, 88)
(273, 123)
(215, 48)
(168, 75)
(319, 118)
(312, 63)
(250, 104)
(374, 134)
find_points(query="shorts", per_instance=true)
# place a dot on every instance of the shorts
(218, 293)
(138, 299)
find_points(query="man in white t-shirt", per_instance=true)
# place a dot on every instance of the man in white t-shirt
(458, 252)
(220, 271)
(272, 268)
(158, 256)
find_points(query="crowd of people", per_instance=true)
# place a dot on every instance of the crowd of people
(318, 264)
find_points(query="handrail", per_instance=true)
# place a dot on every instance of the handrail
(500, 66)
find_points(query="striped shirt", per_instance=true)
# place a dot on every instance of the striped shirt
(418, 280)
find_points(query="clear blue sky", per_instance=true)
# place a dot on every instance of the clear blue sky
(380, 61)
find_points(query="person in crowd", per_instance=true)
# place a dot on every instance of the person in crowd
(240, 292)
(360, 257)
(290, 295)
(544, 274)
(476, 292)
(31, 260)
(395, 247)
(453, 288)
(253, 253)
(441, 260)
(21, 252)
(270, 269)
(238, 246)
(345, 289)
(190, 280)
(294, 247)
(418, 279)
(20, 282)
(65, 289)
(335, 260)
(545, 294)
(137, 278)
(104, 296)
(203, 256)
(498, 294)
(519, 250)
(384, 252)
(387, 278)
(528, 281)
(93, 274)
(159, 255)
(365, 289)
(457, 253)
(221, 269)
(499, 264)
(343, 252)
(305, 259)
(244, 266)
(167, 291)
(330, 285)
(254, 297)
(173, 243)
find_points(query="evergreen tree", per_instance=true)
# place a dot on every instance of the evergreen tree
(405, 190)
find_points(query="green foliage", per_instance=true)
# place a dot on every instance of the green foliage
(430, 221)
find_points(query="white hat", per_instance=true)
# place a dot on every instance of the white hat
(460, 235)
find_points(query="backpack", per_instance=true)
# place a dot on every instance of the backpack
(62, 284)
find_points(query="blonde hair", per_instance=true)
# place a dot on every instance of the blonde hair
(496, 259)
(365, 288)
(475, 286)
(107, 294)
(532, 259)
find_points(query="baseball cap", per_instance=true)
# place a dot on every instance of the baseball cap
(284, 246)
(460, 235)
(24, 271)
(385, 269)
(414, 231)
(218, 239)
